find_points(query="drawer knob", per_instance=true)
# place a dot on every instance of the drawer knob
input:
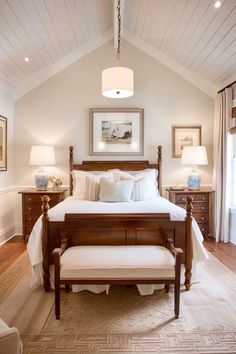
(203, 198)
(29, 199)
(203, 208)
(29, 208)
(30, 219)
(202, 218)
(183, 199)
(202, 229)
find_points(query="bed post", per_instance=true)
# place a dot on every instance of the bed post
(46, 274)
(71, 161)
(159, 162)
(189, 243)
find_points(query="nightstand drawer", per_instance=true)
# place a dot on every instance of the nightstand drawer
(180, 198)
(197, 207)
(200, 197)
(37, 199)
(31, 219)
(201, 217)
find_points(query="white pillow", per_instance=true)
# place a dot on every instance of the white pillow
(145, 183)
(93, 186)
(119, 191)
(79, 181)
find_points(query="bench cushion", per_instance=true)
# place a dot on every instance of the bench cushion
(117, 262)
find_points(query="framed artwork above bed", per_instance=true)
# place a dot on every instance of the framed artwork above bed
(3, 143)
(116, 131)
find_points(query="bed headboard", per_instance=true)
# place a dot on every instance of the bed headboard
(130, 165)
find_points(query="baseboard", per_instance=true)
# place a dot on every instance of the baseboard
(7, 233)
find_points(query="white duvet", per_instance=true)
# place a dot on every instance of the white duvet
(74, 205)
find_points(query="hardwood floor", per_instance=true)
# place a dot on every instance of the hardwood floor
(225, 252)
(11, 250)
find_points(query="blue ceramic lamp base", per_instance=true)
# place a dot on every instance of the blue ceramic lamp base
(194, 181)
(41, 182)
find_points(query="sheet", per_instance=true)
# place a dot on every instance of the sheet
(74, 205)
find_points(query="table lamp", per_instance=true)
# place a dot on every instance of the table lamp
(42, 156)
(194, 155)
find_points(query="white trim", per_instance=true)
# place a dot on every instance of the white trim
(40, 76)
(226, 83)
(7, 233)
(7, 190)
(195, 79)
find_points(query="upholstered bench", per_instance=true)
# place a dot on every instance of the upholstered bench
(117, 265)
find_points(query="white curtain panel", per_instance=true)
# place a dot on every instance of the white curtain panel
(222, 155)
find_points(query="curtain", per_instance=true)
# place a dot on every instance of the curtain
(222, 155)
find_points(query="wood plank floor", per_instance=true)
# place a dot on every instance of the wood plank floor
(11, 250)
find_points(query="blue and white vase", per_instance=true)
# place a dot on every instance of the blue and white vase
(194, 181)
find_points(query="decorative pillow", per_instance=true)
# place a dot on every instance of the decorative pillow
(93, 186)
(145, 183)
(119, 191)
(79, 181)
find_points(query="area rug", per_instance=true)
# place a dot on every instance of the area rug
(123, 321)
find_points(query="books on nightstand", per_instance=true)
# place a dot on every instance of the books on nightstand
(176, 188)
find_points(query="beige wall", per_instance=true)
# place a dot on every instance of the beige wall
(56, 112)
(7, 193)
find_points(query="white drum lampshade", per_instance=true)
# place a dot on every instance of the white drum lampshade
(117, 82)
(42, 156)
(194, 155)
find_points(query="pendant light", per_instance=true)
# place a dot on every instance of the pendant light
(118, 81)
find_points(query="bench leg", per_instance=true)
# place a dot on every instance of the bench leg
(167, 288)
(57, 302)
(67, 288)
(177, 299)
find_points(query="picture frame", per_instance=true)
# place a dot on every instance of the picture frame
(185, 135)
(3, 143)
(116, 131)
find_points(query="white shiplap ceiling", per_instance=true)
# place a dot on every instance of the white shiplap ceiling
(190, 36)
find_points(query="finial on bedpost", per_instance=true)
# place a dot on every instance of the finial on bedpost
(189, 242)
(45, 206)
(189, 206)
(159, 163)
(71, 161)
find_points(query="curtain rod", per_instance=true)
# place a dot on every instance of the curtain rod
(232, 83)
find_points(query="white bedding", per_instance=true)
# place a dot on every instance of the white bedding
(74, 205)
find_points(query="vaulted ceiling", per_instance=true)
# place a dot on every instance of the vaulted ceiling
(191, 36)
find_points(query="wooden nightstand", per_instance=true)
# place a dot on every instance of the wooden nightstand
(31, 206)
(202, 206)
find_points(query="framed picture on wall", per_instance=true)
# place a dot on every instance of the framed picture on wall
(3, 143)
(116, 131)
(185, 136)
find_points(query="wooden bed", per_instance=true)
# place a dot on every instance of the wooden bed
(117, 229)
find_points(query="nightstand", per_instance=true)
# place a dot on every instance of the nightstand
(202, 206)
(31, 206)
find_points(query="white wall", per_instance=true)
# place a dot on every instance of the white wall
(56, 112)
(7, 193)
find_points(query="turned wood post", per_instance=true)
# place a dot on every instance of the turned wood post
(71, 160)
(46, 275)
(189, 242)
(159, 163)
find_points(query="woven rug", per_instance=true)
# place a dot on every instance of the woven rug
(123, 321)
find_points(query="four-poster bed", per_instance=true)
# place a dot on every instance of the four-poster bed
(116, 228)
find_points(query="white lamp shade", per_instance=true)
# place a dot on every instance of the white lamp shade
(42, 155)
(117, 82)
(194, 155)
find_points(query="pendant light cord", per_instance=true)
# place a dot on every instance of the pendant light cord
(119, 30)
